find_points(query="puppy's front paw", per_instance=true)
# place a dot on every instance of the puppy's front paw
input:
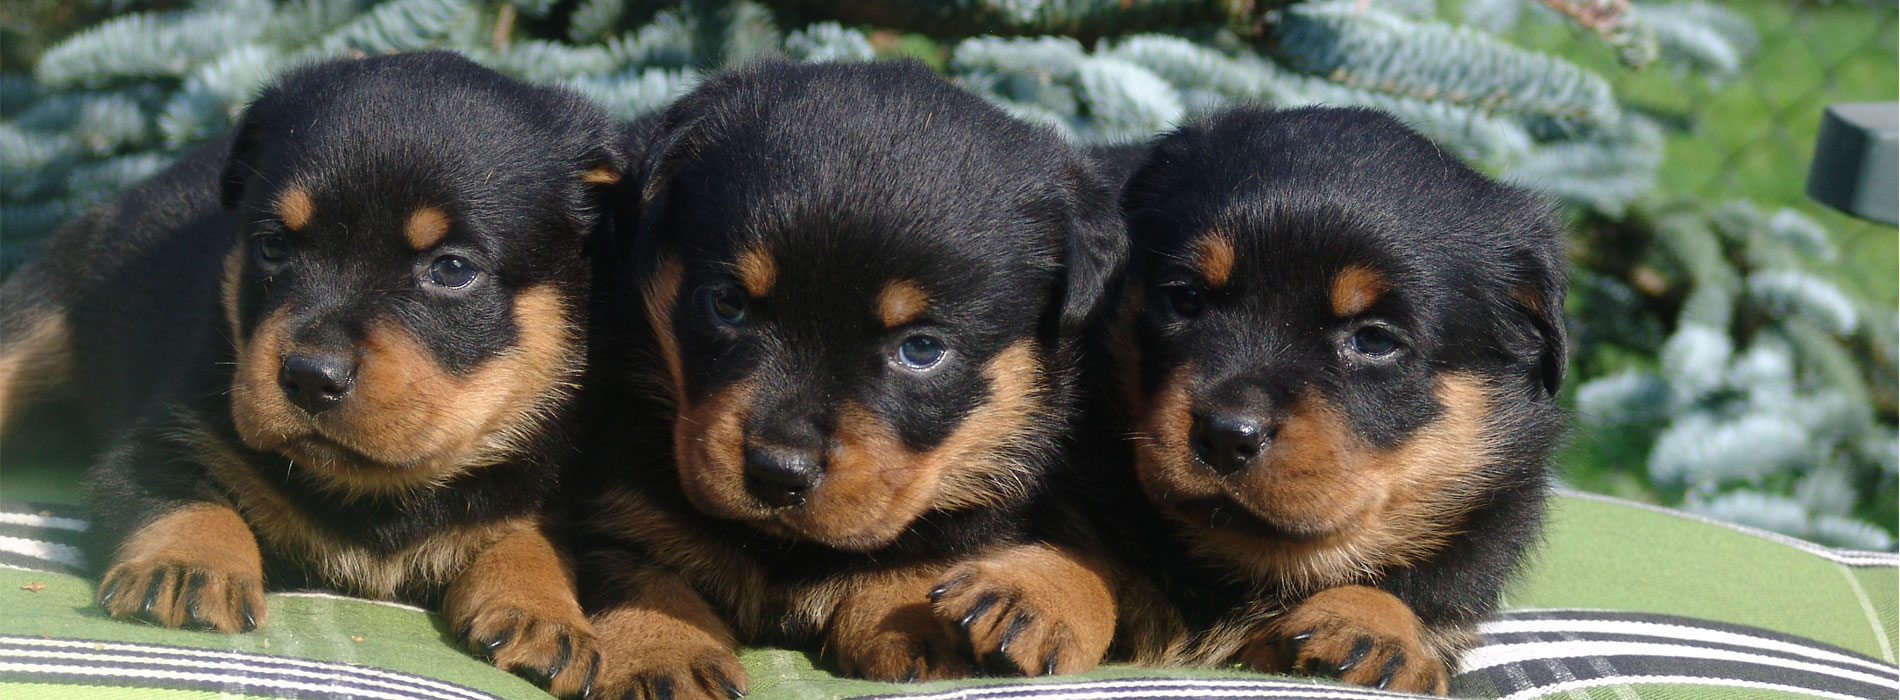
(663, 671)
(1360, 635)
(1030, 610)
(907, 645)
(660, 640)
(197, 566)
(531, 626)
(886, 631)
(558, 652)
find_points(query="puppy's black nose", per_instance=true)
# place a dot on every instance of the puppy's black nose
(316, 382)
(782, 476)
(1230, 442)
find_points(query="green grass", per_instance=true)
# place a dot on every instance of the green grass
(1752, 137)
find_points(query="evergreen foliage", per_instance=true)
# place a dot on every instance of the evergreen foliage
(1754, 384)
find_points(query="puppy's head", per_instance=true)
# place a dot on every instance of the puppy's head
(859, 280)
(1329, 329)
(403, 294)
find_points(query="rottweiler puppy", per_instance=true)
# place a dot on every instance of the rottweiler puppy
(1326, 399)
(847, 320)
(337, 349)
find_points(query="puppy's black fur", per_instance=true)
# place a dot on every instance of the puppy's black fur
(1336, 352)
(336, 349)
(849, 303)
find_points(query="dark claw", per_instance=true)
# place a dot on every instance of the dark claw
(982, 605)
(1049, 664)
(503, 637)
(1017, 623)
(1293, 644)
(111, 592)
(1391, 668)
(1358, 653)
(943, 589)
(466, 630)
(564, 652)
(249, 615)
(151, 593)
(662, 688)
(587, 685)
(732, 689)
(911, 674)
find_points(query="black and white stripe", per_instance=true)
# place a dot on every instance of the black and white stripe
(38, 660)
(1530, 653)
(42, 537)
(1160, 689)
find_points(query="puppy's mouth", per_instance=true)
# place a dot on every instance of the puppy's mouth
(314, 450)
(1225, 514)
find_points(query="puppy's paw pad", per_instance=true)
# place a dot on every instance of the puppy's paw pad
(183, 594)
(673, 674)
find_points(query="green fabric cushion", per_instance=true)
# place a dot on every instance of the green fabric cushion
(1600, 554)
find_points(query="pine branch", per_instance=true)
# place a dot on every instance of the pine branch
(1436, 62)
(1084, 20)
(1615, 23)
(396, 25)
(148, 45)
(829, 41)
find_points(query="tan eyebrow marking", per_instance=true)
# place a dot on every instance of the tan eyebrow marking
(757, 271)
(1355, 289)
(294, 207)
(900, 302)
(1214, 255)
(426, 227)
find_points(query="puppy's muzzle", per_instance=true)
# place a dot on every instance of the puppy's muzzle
(782, 477)
(316, 382)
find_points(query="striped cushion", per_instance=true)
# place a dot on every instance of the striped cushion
(1605, 612)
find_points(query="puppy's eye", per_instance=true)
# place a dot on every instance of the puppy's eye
(270, 247)
(1373, 341)
(920, 352)
(452, 271)
(1186, 299)
(727, 305)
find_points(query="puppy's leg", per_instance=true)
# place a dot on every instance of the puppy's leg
(1030, 609)
(516, 605)
(659, 639)
(35, 348)
(195, 565)
(884, 629)
(1362, 635)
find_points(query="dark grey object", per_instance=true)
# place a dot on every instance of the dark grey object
(1854, 160)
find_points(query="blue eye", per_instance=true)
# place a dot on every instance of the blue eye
(920, 352)
(452, 271)
(270, 247)
(727, 305)
(1373, 341)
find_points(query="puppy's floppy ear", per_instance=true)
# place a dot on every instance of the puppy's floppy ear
(240, 163)
(1538, 296)
(1095, 242)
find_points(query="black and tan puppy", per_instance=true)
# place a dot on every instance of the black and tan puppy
(1336, 354)
(852, 301)
(337, 350)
